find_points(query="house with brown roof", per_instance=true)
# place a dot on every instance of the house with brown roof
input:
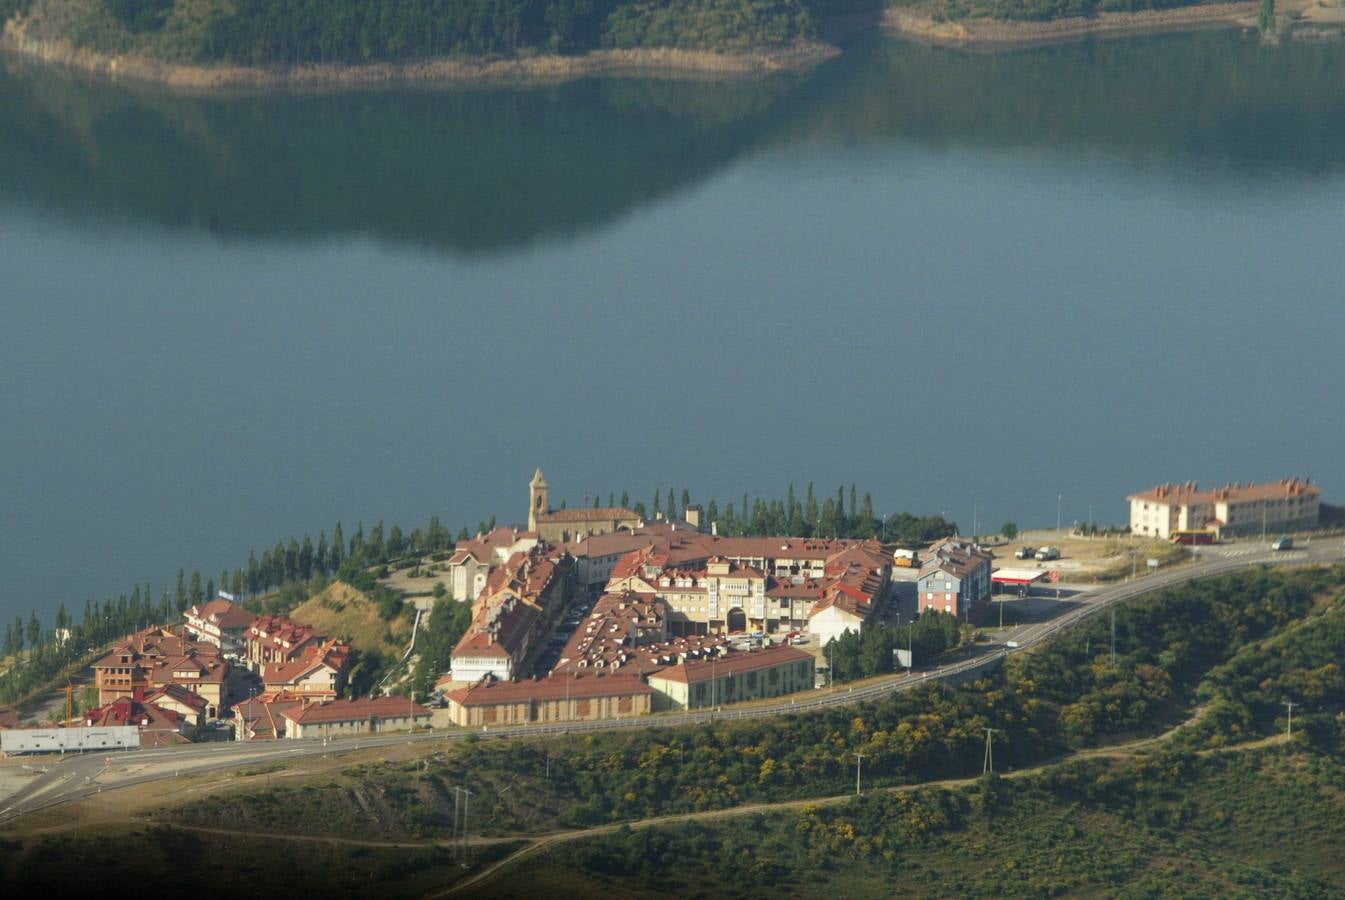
(278, 639)
(368, 715)
(472, 560)
(158, 727)
(220, 622)
(159, 656)
(558, 698)
(319, 673)
(191, 707)
(262, 718)
(729, 676)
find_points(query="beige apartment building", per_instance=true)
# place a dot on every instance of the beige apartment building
(1231, 510)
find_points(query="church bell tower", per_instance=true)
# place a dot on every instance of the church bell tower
(537, 499)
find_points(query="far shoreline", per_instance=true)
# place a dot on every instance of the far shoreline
(978, 34)
(538, 69)
(993, 34)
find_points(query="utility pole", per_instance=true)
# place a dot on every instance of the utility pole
(989, 764)
(1113, 636)
(910, 648)
(1058, 498)
(859, 761)
(1291, 704)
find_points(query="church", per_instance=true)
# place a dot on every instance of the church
(562, 525)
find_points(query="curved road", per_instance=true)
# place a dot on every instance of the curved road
(77, 777)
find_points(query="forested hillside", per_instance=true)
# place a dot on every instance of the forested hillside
(270, 32)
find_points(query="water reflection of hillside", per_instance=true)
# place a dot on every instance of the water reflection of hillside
(467, 170)
(480, 170)
(1194, 101)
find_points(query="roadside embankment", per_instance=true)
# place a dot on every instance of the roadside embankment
(664, 61)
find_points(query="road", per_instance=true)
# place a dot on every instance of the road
(78, 777)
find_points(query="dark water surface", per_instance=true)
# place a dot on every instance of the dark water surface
(960, 281)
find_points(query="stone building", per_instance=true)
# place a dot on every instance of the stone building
(563, 525)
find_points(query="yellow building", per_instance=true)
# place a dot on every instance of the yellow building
(555, 699)
(733, 677)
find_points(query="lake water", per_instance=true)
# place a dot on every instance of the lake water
(969, 283)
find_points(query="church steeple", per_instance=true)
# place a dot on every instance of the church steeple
(537, 499)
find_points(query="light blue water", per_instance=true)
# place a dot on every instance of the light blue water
(961, 282)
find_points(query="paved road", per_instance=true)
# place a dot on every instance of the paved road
(77, 777)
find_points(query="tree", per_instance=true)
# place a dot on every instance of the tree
(1265, 19)
(196, 594)
(1009, 530)
(34, 630)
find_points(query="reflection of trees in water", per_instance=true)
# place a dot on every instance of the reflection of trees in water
(485, 169)
(1206, 97)
(461, 169)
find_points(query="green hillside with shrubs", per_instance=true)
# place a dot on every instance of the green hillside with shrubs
(288, 32)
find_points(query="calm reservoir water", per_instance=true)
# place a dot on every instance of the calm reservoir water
(968, 283)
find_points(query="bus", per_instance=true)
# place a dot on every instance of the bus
(1194, 536)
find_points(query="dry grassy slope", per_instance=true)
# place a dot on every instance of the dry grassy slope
(343, 611)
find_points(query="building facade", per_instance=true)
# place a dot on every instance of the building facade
(559, 698)
(733, 677)
(1233, 510)
(955, 578)
(562, 525)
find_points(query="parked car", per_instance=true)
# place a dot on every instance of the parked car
(1284, 543)
(1046, 553)
(1025, 552)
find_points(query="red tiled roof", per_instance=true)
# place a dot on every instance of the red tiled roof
(356, 710)
(579, 514)
(1189, 492)
(735, 663)
(554, 687)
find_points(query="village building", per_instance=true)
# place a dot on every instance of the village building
(319, 673)
(558, 698)
(278, 639)
(955, 578)
(156, 657)
(1234, 510)
(521, 601)
(158, 727)
(718, 678)
(369, 715)
(473, 559)
(220, 622)
(563, 525)
(190, 706)
(262, 718)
